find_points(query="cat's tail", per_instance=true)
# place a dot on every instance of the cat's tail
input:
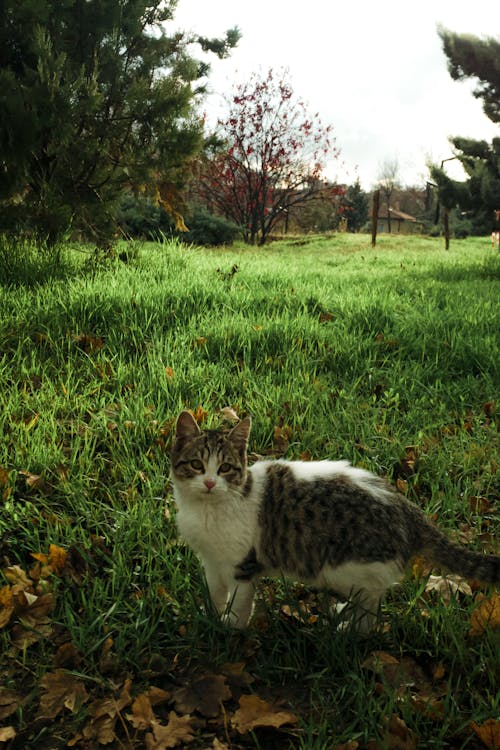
(458, 559)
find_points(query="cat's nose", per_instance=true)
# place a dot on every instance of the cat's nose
(209, 484)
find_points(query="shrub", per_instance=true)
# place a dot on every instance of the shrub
(208, 229)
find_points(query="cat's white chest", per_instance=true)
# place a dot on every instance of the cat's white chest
(222, 530)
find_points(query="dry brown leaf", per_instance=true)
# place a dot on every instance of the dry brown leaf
(447, 586)
(60, 690)
(397, 736)
(142, 715)
(204, 694)
(236, 674)
(17, 577)
(255, 712)
(88, 343)
(67, 655)
(34, 623)
(4, 477)
(7, 605)
(10, 701)
(104, 715)
(157, 696)
(487, 615)
(178, 730)
(488, 733)
(55, 560)
(351, 745)
(200, 414)
(7, 733)
(229, 413)
(281, 438)
(377, 660)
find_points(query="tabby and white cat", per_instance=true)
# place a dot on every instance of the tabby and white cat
(325, 523)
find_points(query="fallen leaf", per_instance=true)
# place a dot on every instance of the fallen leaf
(157, 696)
(200, 414)
(17, 576)
(486, 615)
(489, 408)
(105, 713)
(142, 715)
(397, 735)
(88, 343)
(204, 694)
(229, 413)
(10, 701)
(488, 733)
(480, 505)
(4, 477)
(67, 655)
(236, 674)
(447, 586)
(7, 733)
(6, 605)
(281, 438)
(199, 341)
(326, 317)
(60, 690)
(169, 373)
(34, 624)
(255, 712)
(55, 560)
(179, 729)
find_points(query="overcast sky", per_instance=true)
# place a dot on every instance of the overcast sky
(375, 71)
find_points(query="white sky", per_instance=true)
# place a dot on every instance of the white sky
(374, 70)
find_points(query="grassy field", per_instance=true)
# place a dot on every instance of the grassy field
(387, 357)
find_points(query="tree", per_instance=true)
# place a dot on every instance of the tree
(357, 207)
(479, 196)
(388, 181)
(95, 97)
(273, 157)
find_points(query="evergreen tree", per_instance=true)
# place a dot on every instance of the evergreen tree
(479, 196)
(95, 96)
(358, 207)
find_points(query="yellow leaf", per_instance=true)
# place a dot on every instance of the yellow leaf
(487, 615)
(7, 733)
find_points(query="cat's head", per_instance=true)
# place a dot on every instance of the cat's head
(209, 463)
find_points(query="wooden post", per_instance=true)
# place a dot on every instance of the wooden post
(375, 208)
(446, 214)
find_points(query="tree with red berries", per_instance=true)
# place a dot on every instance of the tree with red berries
(273, 157)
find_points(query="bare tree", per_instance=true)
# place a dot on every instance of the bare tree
(387, 181)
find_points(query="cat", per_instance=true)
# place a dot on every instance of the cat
(325, 523)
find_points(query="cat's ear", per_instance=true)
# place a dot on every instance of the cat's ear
(240, 432)
(186, 426)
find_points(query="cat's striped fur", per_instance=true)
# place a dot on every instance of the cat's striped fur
(325, 523)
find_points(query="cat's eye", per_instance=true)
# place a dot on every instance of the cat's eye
(197, 465)
(225, 468)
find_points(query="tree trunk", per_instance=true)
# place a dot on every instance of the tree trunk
(446, 214)
(375, 207)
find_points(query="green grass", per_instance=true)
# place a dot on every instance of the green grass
(361, 353)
